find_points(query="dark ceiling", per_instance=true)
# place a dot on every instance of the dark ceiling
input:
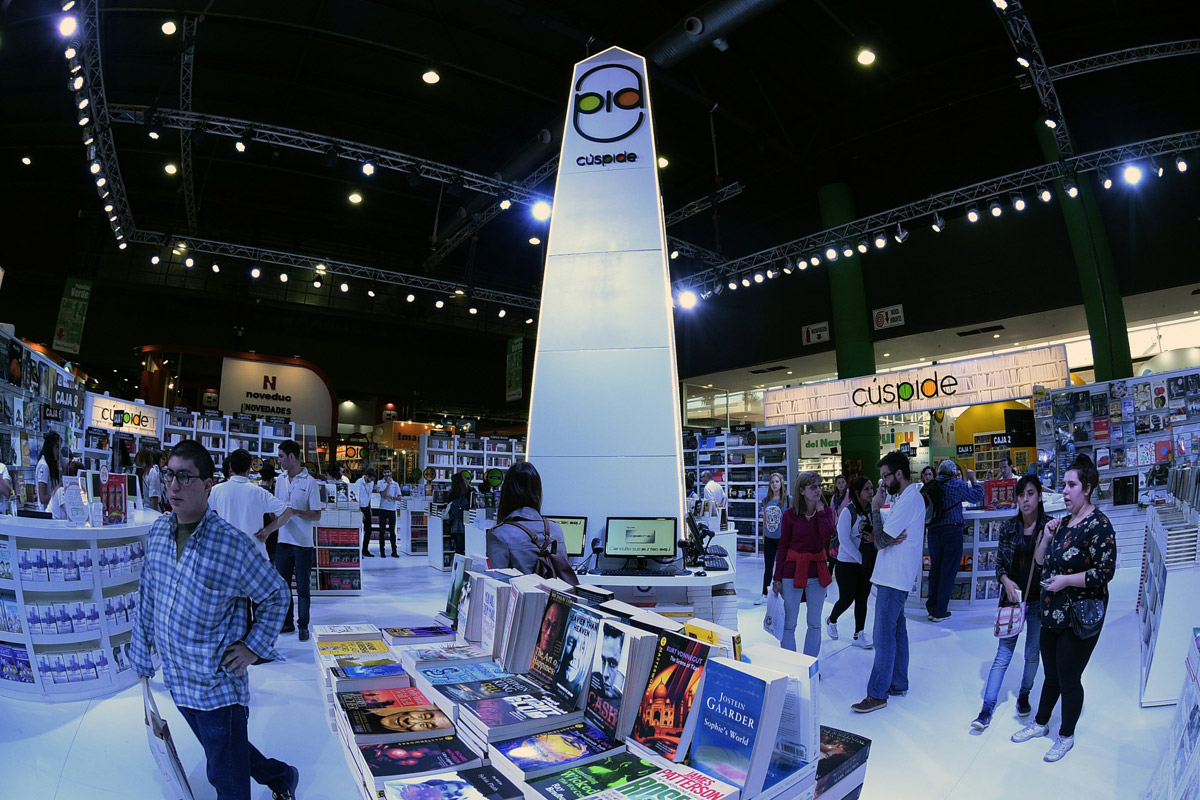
(783, 109)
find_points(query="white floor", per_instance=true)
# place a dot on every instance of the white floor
(922, 746)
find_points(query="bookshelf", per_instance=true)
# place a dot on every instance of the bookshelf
(412, 526)
(442, 454)
(1168, 596)
(222, 434)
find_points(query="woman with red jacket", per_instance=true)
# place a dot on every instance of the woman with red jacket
(802, 566)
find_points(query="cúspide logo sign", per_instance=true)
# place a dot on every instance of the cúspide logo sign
(610, 105)
(883, 394)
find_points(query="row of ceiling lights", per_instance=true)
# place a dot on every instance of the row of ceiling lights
(1132, 174)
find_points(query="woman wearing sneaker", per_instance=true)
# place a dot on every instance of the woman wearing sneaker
(1078, 556)
(1016, 570)
(855, 561)
(802, 567)
(773, 507)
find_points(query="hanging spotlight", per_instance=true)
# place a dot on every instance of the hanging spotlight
(863, 246)
(431, 76)
(540, 210)
(1072, 189)
(529, 321)
(831, 253)
(122, 245)
(1001, 5)
(100, 182)
(938, 224)
(169, 28)
(439, 304)
(663, 162)
(88, 139)
(1024, 60)
(1044, 194)
(972, 214)
(189, 262)
(787, 268)
(355, 198)
(1180, 163)
(240, 146)
(771, 274)
(345, 287)
(255, 272)
(502, 313)
(95, 167)
(108, 207)
(900, 234)
(1105, 180)
(759, 277)
(155, 259)
(75, 83)
(505, 205)
(880, 240)
(1017, 200)
(317, 283)
(1156, 168)
(216, 267)
(368, 168)
(473, 310)
(535, 241)
(370, 292)
(320, 268)
(865, 56)
(674, 254)
(1132, 174)
(67, 6)
(815, 261)
(686, 300)
(994, 207)
(71, 51)
(410, 298)
(745, 280)
(83, 119)
(283, 277)
(847, 250)
(170, 169)
(1050, 121)
(67, 25)
(81, 102)
(803, 265)
(733, 285)
(152, 130)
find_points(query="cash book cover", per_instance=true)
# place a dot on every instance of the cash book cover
(463, 673)
(496, 712)
(674, 677)
(607, 682)
(607, 773)
(731, 703)
(385, 711)
(548, 649)
(842, 752)
(483, 690)
(556, 749)
(423, 755)
(480, 783)
(675, 782)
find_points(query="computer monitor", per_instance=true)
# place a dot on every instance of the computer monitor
(640, 537)
(574, 531)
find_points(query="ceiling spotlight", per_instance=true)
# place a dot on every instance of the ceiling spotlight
(814, 260)
(674, 254)
(1105, 178)
(1132, 174)
(459, 292)
(1043, 194)
(863, 245)
(994, 207)
(81, 102)
(112, 218)
(1156, 168)
(108, 207)
(189, 262)
(439, 304)
(687, 299)
(534, 240)
(431, 76)
(83, 119)
(529, 321)
(100, 182)
(759, 277)
(505, 205)
(745, 280)
(240, 146)
(345, 287)
(169, 28)
(995, 336)
(662, 162)
(972, 214)
(732, 285)
(71, 51)
(886, 355)
(787, 267)
(866, 56)
(320, 268)
(501, 313)
(540, 210)
(847, 250)
(938, 224)
(1072, 189)
(370, 292)
(152, 133)
(1050, 121)
(155, 259)
(122, 245)
(368, 168)
(283, 277)
(1181, 163)
(67, 6)
(771, 274)
(255, 273)
(93, 168)
(803, 265)
(473, 310)
(1001, 5)
(317, 283)
(67, 25)
(355, 198)
(880, 240)
(1017, 200)
(410, 298)
(1023, 60)
(831, 253)
(216, 267)
(88, 139)
(170, 169)
(900, 234)
(75, 83)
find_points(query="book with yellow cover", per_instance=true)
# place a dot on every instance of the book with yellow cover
(352, 648)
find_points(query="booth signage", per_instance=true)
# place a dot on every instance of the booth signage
(282, 390)
(1001, 440)
(72, 312)
(108, 412)
(67, 395)
(889, 317)
(959, 383)
(965, 450)
(817, 333)
(514, 369)
(51, 413)
(812, 444)
(180, 410)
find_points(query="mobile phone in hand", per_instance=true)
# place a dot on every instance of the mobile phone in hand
(1046, 583)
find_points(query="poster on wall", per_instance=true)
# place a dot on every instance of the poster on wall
(72, 311)
(514, 369)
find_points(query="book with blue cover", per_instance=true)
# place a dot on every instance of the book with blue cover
(578, 649)
(461, 673)
(525, 758)
(480, 783)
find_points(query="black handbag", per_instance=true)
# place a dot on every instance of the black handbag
(1087, 615)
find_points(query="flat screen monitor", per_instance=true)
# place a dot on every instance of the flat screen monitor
(642, 537)
(574, 531)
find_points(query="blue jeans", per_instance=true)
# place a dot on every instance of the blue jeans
(945, 557)
(1004, 654)
(231, 760)
(791, 612)
(890, 670)
(288, 559)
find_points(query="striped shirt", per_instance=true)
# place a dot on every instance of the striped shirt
(190, 610)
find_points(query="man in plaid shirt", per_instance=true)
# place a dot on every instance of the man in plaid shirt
(199, 577)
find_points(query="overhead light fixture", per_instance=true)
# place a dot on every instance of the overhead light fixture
(886, 355)
(67, 6)
(153, 132)
(83, 119)
(759, 277)
(370, 292)
(410, 298)
(216, 267)
(1132, 174)
(900, 234)
(317, 283)
(355, 198)
(170, 169)
(439, 304)
(534, 240)
(674, 254)
(101, 181)
(239, 146)
(1043, 194)
(687, 299)
(863, 245)
(473, 310)
(88, 139)
(814, 260)
(169, 28)
(1105, 178)
(501, 313)
(93, 168)
(1024, 60)
(995, 336)
(831, 253)
(771, 274)
(803, 265)
(1181, 163)
(1072, 189)
(540, 210)
(994, 207)
(1050, 121)
(1017, 200)
(866, 56)
(255, 272)
(662, 162)
(67, 25)
(459, 292)
(155, 259)
(1001, 5)
(847, 250)
(938, 224)
(81, 102)
(745, 280)
(283, 277)
(189, 262)
(787, 268)
(431, 76)
(345, 287)
(1156, 168)
(529, 321)
(368, 169)
(75, 83)
(880, 240)
(972, 214)
(732, 283)
(108, 207)
(122, 245)
(320, 268)
(505, 205)
(71, 51)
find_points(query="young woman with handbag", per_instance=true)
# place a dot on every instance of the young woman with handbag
(855, 561)
(1019, 576)
(1078, 557)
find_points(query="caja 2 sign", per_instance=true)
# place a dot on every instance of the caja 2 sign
(886, 394)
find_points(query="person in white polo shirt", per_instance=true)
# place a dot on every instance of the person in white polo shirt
(301, 493)
(242, 503)
(363, 487)
(900, 539)
(389, 493)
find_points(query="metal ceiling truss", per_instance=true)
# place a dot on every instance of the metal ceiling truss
(696, 252)
(1025, 43)
(186, 64)
(704, 203)
(277, 136)
(994, 189)
(1117, 58)
(332, 267)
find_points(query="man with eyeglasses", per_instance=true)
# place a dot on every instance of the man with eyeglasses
(199, 576)
(301, 493)
(900, 539)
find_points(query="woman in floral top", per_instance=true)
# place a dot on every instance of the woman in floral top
(1078, 556)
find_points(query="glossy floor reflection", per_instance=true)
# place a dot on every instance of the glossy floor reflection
(922, 744)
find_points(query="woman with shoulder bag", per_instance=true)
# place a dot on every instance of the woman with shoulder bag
(855, 561)
(460, 501)
(802, 566)
(516, 541)
(1018, 575)
(1078, 557)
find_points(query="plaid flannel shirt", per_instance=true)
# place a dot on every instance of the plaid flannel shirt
(192, 608)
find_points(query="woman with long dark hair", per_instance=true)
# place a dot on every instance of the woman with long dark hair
(515, 542)
(1016, 570)
(460, 501)
(802, 566)
(47, 475)
(1078, 555)
(773, 506)
(855, 561)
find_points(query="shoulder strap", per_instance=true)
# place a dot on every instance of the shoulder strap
(545, 545)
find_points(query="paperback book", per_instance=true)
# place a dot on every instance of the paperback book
(843, 762)
(620, 670)
(380, 763)
(430, 634)
(676, 782)
(497, 718)
(578, 650)
(415, 656)
(547, 651)
(391, 715)
(666, 703)
(480, 783)
(607, 773)
(525, 758)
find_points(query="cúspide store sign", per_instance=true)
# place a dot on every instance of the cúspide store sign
(261, 388)
(608, 117)
(958, 383)
(109, 413)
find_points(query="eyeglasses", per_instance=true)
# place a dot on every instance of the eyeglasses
(883, 476)
(184, 478)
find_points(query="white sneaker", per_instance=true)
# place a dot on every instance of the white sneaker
(862, 640)
(1061, 745)
(758, 601)
(831, 628)
(1031, 731)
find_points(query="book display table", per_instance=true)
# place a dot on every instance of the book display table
(69, 597)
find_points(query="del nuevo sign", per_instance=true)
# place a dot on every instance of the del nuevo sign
(957, 383)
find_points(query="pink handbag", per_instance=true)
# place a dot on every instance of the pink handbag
(1010, 620)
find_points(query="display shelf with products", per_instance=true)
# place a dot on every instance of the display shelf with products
(412, 526)
(441, 455)
(69, 605)
(1177, 776)
(337, 568)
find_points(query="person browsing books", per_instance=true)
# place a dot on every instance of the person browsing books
(460, 500)
(1016, 570)
(199, 576)
(947, 494)
(363, 488)
(242, 504)
(151, 477)
(1006, 469)
(802, 567)
(899, 540)
(773, 506)
(1078, 555)
(301, 493)
(855, 561)
(517, 540)
(389, 493)
(46, 476)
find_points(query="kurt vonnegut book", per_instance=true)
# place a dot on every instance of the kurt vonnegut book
(667, 701)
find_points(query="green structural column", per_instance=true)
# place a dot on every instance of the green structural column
(1097, 277)
(851, 336)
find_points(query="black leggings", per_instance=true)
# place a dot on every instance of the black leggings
(854, 586)
(770, 548)
(1064, 655)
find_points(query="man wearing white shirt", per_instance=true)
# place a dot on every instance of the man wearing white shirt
(242, 503)
(389, 493)
(5, 482)
(900, 539)
(714, 492)
(363, 487)
(301, 493)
